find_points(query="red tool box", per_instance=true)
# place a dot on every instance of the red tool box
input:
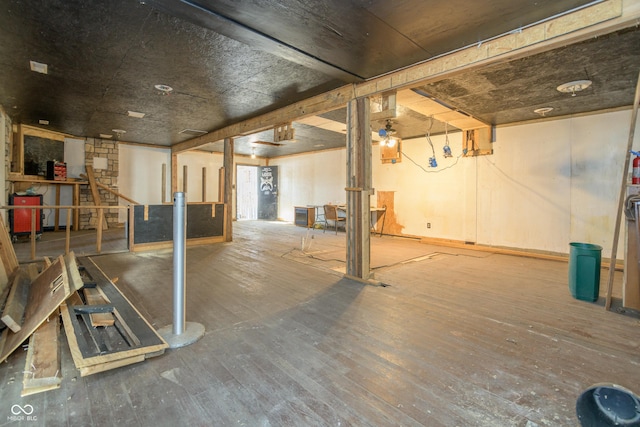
(20, 219)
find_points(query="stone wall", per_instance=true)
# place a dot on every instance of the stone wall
(104, 149)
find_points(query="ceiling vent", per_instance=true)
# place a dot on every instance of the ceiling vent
(38, 67)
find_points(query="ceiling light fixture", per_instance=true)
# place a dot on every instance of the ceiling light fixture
(575, 86)
(38, 67)
(105, 136)
(43, 122)
(542, 111)
(163, 89)
(135, 114)
(253, 153)
(385, 134)
(119, 133)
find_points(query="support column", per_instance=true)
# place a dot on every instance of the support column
(228, 189)
(358, 189)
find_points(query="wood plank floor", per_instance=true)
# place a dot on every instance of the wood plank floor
(455, 338)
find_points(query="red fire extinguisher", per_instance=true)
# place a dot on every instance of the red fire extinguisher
(635, 175)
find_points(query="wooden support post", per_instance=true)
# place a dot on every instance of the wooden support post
(621, 196)
(221, 185)
(67, 234)
(185, 179)
(164, 183)
(358, 227)
(228, 189)
(174, 175)
(99, 233)
(8, 254)
(76, 211)
(56, 226)
(204, 184)
(33, 233)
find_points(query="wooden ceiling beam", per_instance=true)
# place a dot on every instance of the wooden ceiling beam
(579, 25)
(597, 19)
(319, 104)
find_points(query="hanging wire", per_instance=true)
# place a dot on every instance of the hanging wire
(432, 160)
(446, 148)
(427, 170)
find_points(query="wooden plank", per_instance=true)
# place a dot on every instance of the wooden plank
(93, 352)
(228, 188)
(204, 184)
(327, 101)
(43, 301)
(221, 175)
(621, 192)
(56, 226)
(105, 366)
(7, 253)
(93, 296)
(42, 366)
(17, 299)
(110, 190)
(164, 182)
(185, 178)
(95, 193)
(174, 175)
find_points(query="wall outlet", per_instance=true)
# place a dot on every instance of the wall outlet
(428, 225)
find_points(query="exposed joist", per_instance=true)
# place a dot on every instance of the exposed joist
(315, 105)
(597, 19)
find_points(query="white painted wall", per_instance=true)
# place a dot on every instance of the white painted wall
(313, 179)
(547, 184)
(195, 161)
(140, 176)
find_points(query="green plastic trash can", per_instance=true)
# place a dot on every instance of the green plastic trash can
(584, 271)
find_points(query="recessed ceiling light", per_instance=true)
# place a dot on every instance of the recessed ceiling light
(43, 122)
(542, 111)
(135, 114)
(164, 89)
(105, 136)
(38, 67)
(575, 86)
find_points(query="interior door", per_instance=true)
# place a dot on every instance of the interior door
(247, 192)
(268, 193)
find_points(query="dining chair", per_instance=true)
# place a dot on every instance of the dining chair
(331, 214)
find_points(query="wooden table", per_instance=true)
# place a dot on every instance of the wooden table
(380, 212)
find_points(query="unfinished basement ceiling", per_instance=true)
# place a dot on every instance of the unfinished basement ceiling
(229, 61)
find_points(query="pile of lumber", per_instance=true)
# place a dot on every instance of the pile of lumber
(103, 329)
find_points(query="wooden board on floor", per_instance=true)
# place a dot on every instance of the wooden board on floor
(129, 340)
(92, 296)
(42, 366)
(7, 253)
(17, 299)
(46, 294)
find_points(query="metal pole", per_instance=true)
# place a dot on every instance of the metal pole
(181, 333)
(179, 259)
